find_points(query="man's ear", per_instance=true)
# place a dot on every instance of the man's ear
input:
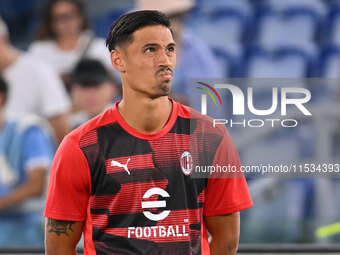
(117, 61)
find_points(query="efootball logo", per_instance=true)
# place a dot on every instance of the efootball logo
(155, 204)
(186, 163)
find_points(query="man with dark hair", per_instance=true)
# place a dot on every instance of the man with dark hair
(121, 32)
(125, 177)
(195, 57)
(25, 156)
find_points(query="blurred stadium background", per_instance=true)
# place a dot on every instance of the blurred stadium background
(263, 37)
(255, 39)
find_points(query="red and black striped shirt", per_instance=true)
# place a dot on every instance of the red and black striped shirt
(136, 191)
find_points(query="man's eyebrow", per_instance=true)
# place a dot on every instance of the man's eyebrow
(172, 44)
(156, 44)
(150, 45)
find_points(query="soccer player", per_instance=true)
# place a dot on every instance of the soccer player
(124, 177)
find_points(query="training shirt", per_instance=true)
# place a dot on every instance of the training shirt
(135, 191)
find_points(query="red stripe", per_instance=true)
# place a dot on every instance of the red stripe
(177, 142)
(178, 217)
(201, 197)
(89, 139)
(100, 221)
(129, 198)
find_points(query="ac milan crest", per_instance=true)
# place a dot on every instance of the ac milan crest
(186, 163)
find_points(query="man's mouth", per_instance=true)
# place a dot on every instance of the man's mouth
(166, 74)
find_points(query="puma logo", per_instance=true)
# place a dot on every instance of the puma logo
(116, 163)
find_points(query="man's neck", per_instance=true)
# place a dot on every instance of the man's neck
(144, 114)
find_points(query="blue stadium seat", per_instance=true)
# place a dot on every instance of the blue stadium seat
(279, 63)
(331, 31)
(293, 27)
(102, 23)
(226, 62)
(329, 68)
(240, 6)
(317, 6)
(281, 214)
(21, 17)
(280, 211)
(222, 29)
(282, 62)
(329, 62)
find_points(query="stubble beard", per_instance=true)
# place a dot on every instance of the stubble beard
(162, 89)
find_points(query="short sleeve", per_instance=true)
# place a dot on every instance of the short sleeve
(37, 149)
(69, 186)
(228, 194)
(54, 97)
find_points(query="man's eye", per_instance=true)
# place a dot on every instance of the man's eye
(150, 50)
(171, 49)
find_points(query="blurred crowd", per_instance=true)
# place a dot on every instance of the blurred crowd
(56, 74)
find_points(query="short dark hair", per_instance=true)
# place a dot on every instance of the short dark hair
(90, 72)
(3, 87)
(122, 29)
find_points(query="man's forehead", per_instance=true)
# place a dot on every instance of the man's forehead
(155, 33)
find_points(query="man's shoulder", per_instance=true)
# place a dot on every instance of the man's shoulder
(183, 110)
(202, 122)
(103, 119)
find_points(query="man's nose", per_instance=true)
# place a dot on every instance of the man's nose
(164, 59)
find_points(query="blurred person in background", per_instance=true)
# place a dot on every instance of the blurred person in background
(93, 91)
(25, 156)
(65, 38)
(194, 57)
(34, 86)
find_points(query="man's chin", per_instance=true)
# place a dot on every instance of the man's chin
(162, 94)
(164, 88)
